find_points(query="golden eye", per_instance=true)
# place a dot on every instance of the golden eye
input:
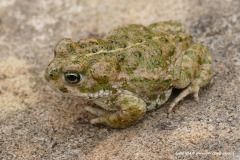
(72, 77)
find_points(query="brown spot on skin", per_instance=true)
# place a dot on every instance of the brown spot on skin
(177, 39)
(109, 48)
(120, 57)
(94, 50)
(147, 37)
(123, 45)
(87, 51)
(93, 43)
(82, 45)
(63, 89)
(163, 39)
(170, 50)
(137, 54)
(92, 61)
(125, 37)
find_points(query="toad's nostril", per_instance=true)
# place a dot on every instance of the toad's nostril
(51, 75)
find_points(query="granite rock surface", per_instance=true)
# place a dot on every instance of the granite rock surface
(38, 123)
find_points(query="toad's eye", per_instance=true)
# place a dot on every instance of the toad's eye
(72, 77)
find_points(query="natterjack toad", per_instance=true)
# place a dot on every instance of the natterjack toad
(130, 71)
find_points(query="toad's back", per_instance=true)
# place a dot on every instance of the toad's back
(160, 38)
(143, 54)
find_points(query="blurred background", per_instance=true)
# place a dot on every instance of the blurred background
(38, 123)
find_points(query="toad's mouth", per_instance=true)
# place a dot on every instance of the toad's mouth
(99, 94)
(92, 96)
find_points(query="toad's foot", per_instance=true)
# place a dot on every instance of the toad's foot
(130, 110)
(194, 89)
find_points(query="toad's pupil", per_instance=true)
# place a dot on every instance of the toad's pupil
(72, 77)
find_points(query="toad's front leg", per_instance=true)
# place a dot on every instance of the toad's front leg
(130, 110)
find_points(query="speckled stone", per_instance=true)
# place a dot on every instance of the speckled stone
(37, 123)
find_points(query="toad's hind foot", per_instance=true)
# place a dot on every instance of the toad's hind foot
(190, 89)
(95, 111)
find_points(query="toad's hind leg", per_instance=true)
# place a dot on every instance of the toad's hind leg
(129, 110)
(192, 71)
